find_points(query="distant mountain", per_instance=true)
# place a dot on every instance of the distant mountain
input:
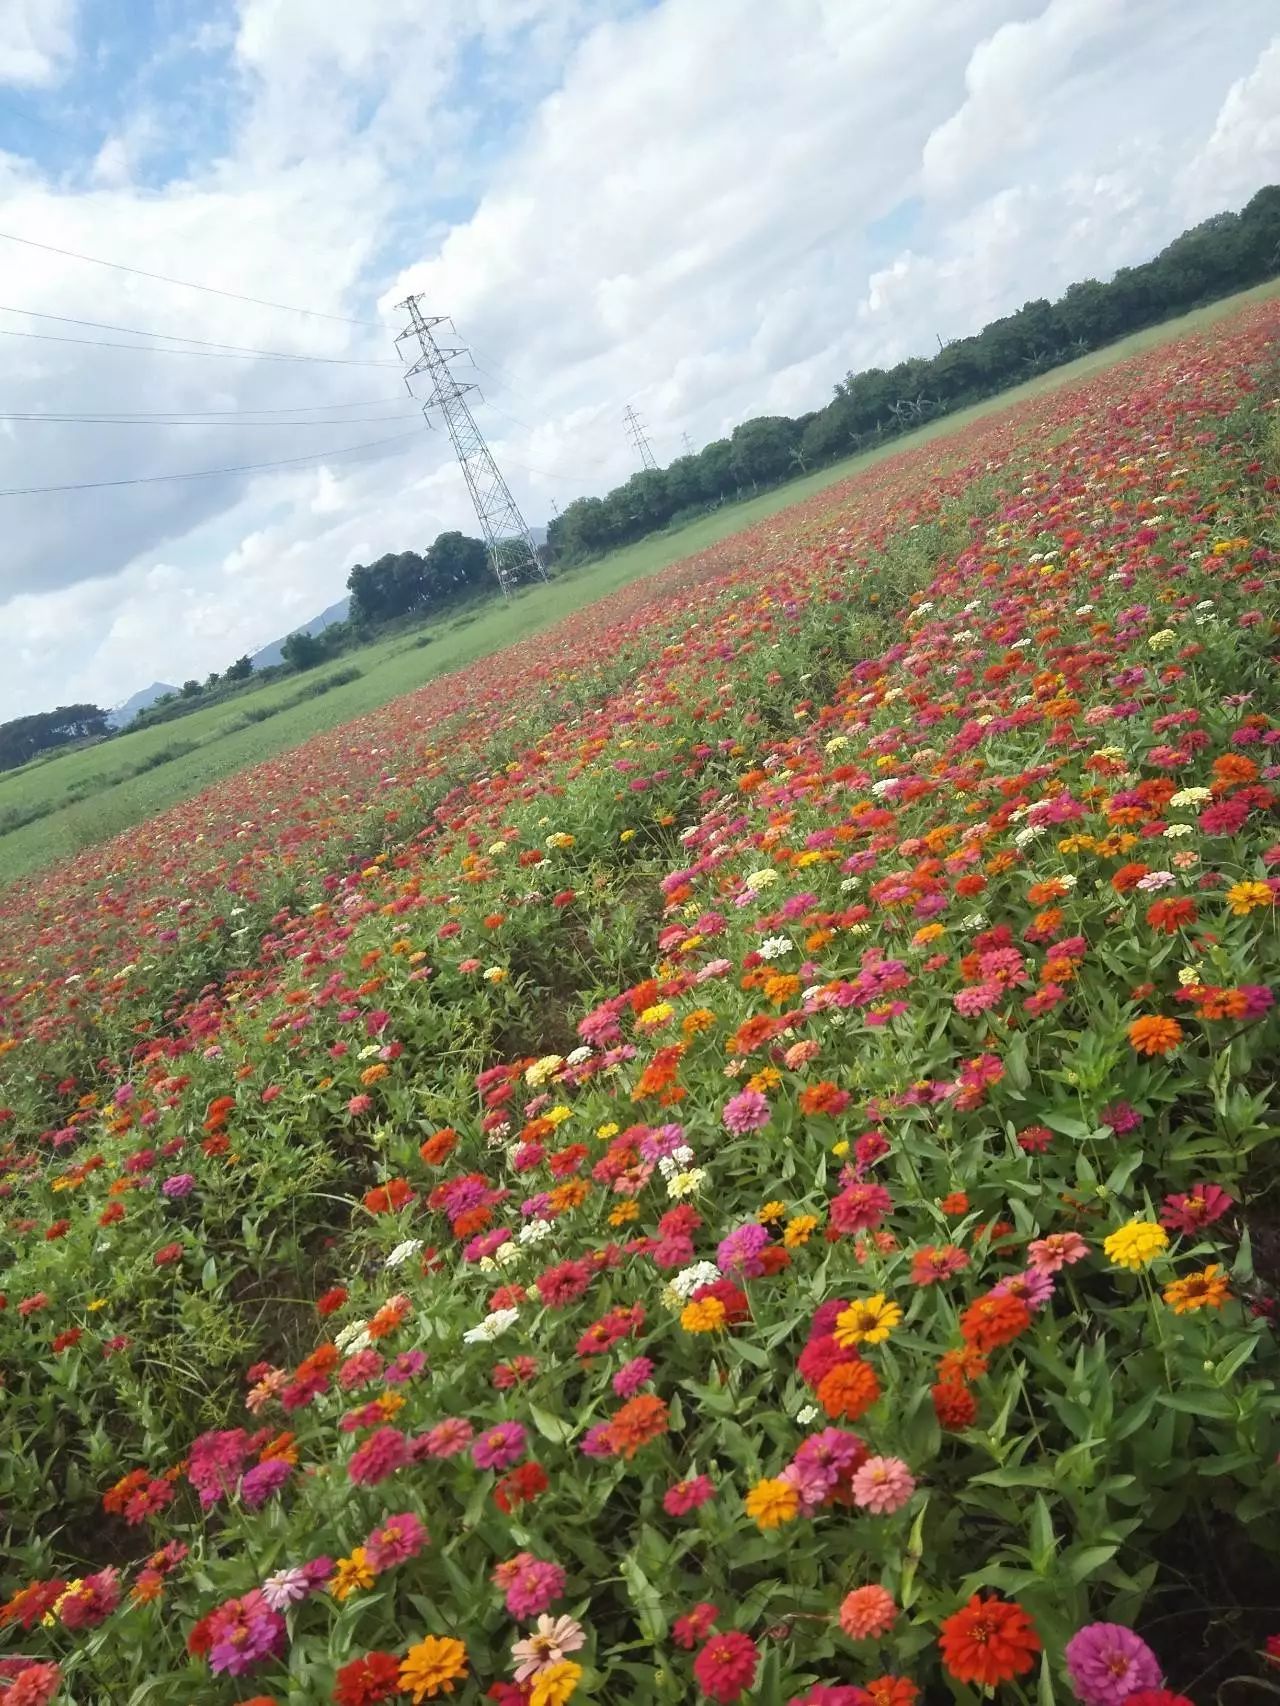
(274, 654)
(120, 716)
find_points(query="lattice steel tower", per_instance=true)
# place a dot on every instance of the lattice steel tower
(635, 427)
(512, 552)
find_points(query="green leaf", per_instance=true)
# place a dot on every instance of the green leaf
(1041, 1535)
(554, 1428)
(1083, 1561)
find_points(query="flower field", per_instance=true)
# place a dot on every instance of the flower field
(725, 1153)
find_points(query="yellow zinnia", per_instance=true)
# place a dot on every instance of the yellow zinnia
(555, 1683)
(351, 1573)
(867, 1321)
(707, 1315)
(432, 1667)
(1242, 898)
(797, 1230)
(771, 1503)
(1136, 1243)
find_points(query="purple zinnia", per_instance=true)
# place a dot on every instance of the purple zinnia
(1122, 1117)
(1108, 1663)
(739, 1252)
(263, 1480)
(244, 1632)
(179, 1185)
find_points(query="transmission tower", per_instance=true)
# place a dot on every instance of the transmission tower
(635, 427)
(687, 442)
(512, 552)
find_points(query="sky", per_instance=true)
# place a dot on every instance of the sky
(710, 209)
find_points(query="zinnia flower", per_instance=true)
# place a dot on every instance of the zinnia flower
(1208, 1289)
(726, 1666)
(771, 1503)
(883, 1485)
(867, 1320)
(553, 1638)
(367, 1681)
(988, 1641)
(1108, 1663)
(867, 1613)
(554, 1685)
(432, 1667)
(1135, 1244)
(1153, 1034)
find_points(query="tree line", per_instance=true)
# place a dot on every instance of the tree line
(1223, 254)
(25, 738)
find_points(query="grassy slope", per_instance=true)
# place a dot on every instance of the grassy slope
(114, 799)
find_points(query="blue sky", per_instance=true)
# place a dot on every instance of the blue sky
(711, 209)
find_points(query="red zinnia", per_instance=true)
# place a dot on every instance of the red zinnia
(988, 1641)
(332, 1300)
(1169, 916)
(953, 1405)
(726, 1666)
(363, 1682)
(167, 1253)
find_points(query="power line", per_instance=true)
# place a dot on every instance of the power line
(207, 473)
(186, 283)
(208, 354)
(168, 337)
(165, 414)
(151, 421)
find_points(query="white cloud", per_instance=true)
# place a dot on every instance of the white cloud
(37, 37)
(685, 204)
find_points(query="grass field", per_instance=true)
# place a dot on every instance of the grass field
(86, 796)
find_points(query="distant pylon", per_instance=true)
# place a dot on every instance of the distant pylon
(512, 552)
(687, 442)
(635, 427)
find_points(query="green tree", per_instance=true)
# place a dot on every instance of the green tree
(303, 650)
(240, 670)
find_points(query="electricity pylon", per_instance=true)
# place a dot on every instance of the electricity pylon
(512, 552)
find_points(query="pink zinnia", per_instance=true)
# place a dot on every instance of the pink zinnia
(500, 1447)
(747, 1111)
(860, 1208)
(883, 1485)
(449, 1437)
(1058, 1250)
(1034, 1287)
(867, 1612)
(1108, 1663)
(1188, 1211)
(34, 1684)
(632, 1376)
(531, 1585)
(395, 1541)
(979, 998)
(687, 1496)
(381, 1455)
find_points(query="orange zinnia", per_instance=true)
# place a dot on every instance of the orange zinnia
(989, 1641)
(636, 1423)
(1154, 1034)
(848, 1390)
(990, 1321)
